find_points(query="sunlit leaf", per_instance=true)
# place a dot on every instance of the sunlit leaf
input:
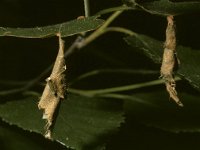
(82, 122)
(65, 29)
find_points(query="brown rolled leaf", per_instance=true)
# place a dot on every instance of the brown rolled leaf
(54, 90)
(169, 60)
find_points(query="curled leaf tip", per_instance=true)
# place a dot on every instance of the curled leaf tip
(173, 93)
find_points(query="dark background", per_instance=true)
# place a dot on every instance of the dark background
(25, 59)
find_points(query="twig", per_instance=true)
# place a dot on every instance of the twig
(99, 31)
(129, 97)
(109, 10)
(74, 46)
(103, 71)
(119, 29)
(91, 93)
(87, 8)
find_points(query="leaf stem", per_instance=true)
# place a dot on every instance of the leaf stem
(12, 91)
(99, 31)
(87, 8)
(106, 71)
(117, 89)
(120, 29)
(109, 10)
(129, 97)
(110, 19)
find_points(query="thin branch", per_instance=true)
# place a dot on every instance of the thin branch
(111, 19)
(129, 97)
(87, 8)
(91, 93)
(120, 29)
(12, 91)
(74, 46)
(103, 71)
(109, 10)
(13, 83)
(99, 31)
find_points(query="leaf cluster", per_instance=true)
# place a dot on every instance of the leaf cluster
(115, 98)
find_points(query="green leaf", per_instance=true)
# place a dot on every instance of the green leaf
(166, 7)
(65, 29)
(135, 135)
(82, 122)
(189, 58)
(163, 114)
(13, 138)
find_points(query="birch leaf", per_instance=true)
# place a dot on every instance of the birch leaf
(65, 29)
(189, 58)
(82, 123)
(165, 115)
(165, 7)
(13, 138)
